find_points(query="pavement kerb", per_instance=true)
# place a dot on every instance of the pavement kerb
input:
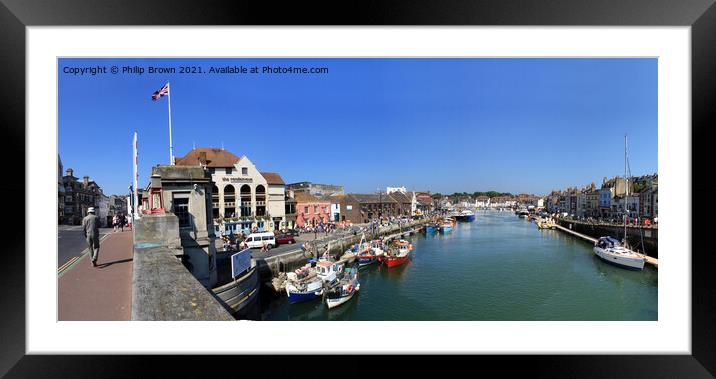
(62, 270)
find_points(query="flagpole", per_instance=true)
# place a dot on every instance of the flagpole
(135, 194)
(171, 147)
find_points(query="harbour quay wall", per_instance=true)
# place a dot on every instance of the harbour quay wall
(635, 234)
(271, 266)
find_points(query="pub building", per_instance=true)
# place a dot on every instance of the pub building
(243, 199)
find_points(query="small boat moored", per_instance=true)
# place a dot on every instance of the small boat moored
(344, 289)
(397, 254)
(431, 227)
(303, 285)
(446, 226)
(465, 216)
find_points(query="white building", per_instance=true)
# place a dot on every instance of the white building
(395, 189)
(335, 211)
(243, 199)
(582, 204)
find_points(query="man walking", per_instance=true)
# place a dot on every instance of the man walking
(90, 227)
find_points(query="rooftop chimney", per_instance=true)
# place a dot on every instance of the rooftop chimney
(69, 172)
(85, 180)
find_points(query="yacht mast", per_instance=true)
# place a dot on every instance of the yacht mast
(626, 196)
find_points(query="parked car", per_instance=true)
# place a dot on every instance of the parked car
(292, 232)
(284, 239)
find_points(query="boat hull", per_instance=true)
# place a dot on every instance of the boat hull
(618, 260)
(299, 297)
(445, 230)
(395, 261)
(430, 229)
(468, 218)
(334, 302)
(366, 261)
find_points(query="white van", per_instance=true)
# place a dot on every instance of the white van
(259, 239)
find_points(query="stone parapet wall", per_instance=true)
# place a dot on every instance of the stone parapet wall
(163, 290)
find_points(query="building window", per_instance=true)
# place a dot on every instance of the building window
(244, 171)
(305, 209)
(229, 171)
(212, 170)
(181, 210)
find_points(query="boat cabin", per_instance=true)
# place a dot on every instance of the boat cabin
(328, 271)
(607, 242)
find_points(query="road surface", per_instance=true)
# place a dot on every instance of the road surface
(71, 242)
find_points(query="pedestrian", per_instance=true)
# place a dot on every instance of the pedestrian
(90, 228)
(115, 221)
(121, 221)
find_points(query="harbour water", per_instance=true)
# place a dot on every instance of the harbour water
(499, 267)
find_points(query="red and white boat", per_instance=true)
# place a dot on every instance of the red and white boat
(397, 254)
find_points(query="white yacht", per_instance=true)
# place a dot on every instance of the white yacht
(612, 251)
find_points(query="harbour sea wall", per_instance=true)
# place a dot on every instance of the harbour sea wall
(635, 234)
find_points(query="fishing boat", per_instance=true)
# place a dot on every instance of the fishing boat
(465, 215)
(343, 289)
(545, 223)
(372, 254)
(328, 270)
(610, 249)
(392, 258)
(303, 285)
(397, 254)
(403, 246)
(522, 213)
(446, 226)
(431, 227)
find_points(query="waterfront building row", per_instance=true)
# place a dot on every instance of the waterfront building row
(609, 201)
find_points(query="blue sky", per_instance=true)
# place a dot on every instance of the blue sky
(444, 125)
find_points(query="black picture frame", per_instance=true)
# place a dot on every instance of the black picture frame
(700, 15)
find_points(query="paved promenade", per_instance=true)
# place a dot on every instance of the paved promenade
(103, 292)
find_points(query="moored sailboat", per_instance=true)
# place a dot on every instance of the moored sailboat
(610, 249)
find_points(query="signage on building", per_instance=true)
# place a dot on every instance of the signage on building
(237, 180)
(240, 262)
(349, 207)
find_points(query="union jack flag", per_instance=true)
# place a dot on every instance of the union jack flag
(162, 92)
